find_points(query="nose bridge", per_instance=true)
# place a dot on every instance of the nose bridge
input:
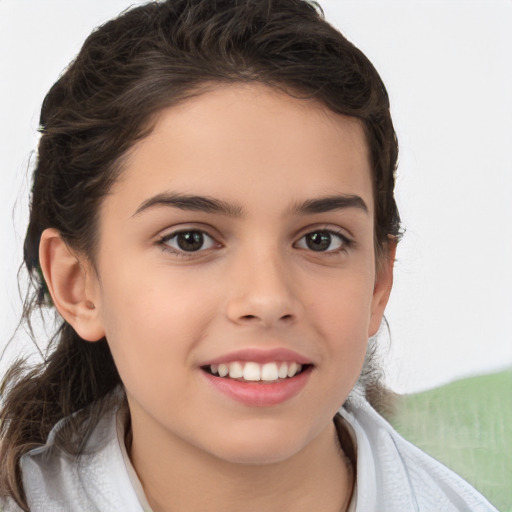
(262, 288)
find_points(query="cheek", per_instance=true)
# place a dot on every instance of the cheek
(343, 303)
(152, 321)
(341, 315)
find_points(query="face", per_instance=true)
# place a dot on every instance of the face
(239, 239)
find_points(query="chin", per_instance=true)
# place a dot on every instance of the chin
(257, 449)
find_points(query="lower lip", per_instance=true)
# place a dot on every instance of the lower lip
(260, 394)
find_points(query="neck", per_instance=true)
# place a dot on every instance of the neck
(317, 478)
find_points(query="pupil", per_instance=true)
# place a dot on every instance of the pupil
(190, 241)
(319, 241)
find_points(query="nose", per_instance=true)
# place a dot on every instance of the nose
(262, 291)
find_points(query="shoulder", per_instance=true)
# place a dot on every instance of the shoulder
(9, 505)
(95, 480)
(393, 474)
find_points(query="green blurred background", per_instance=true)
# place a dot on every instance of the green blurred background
(466, 425)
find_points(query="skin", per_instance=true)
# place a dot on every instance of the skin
(255, 284)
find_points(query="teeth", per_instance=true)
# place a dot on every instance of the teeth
(269, 372)
(253, 372)
(236, 371)
(223, 370)
(292, 369)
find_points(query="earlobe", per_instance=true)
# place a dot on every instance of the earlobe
(382, 289)
(70, 283)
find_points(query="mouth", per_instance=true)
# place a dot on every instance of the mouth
(251, 371)
(258, 378)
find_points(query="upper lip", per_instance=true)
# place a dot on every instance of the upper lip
(258, 355)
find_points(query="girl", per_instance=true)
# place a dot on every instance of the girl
(213, 218)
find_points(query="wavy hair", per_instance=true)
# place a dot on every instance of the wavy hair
(151, 57)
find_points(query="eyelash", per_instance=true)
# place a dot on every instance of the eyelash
(163, 242)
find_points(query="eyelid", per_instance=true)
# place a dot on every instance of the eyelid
(202, 227)
(331, 228)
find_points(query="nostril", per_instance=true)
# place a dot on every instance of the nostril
(255, 317)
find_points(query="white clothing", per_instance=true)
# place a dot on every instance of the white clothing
(392, 474)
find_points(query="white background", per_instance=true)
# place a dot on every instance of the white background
(448, 68)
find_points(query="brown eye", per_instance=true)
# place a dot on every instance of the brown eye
(323, 241)
(187, 241)
(190, 240)
(318, 241)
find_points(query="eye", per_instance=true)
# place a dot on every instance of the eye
(190, 240)
(324, 241)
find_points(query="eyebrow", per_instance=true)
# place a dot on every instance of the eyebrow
(329, 204)
(213, 205)
(191, 202)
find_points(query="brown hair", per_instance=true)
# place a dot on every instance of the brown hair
(154, 56)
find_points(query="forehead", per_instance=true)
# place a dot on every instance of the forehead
(235, 142)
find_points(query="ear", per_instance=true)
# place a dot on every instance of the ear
(383, 285)
(73, 285)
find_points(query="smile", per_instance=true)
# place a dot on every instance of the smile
(258, 378)
(251, 371)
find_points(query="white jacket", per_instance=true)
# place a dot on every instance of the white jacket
(392, 474)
